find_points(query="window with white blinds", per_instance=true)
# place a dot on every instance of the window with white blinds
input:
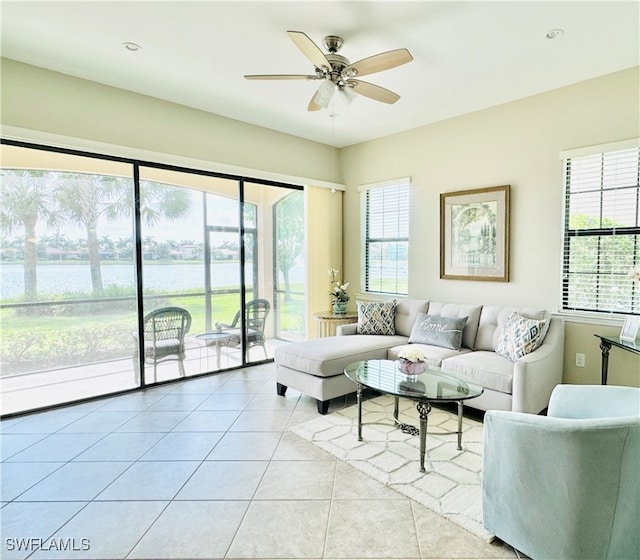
(386, 238)
(602, 232)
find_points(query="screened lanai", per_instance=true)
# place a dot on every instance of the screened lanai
(92, 245)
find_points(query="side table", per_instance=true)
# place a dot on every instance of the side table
(216, 339)
(327, 321)
(605, 345)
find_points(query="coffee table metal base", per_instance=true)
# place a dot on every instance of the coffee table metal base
(424, 408)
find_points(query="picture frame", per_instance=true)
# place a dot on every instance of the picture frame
(630, 329)
(474, 234)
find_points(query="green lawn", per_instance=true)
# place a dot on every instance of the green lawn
(64, 334)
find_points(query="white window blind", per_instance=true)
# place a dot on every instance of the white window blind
(601, 232)
(386, 239)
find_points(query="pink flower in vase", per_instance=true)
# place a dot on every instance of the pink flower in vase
(411, 361)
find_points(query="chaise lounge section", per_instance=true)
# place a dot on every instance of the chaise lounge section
(512, 382)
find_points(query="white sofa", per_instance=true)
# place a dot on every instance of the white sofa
(316, 367)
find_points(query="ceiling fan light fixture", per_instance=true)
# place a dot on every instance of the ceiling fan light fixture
(325, 93)
(347, 94)
(336, 72)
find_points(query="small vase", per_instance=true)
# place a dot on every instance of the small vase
(339, 307)
(411, 368)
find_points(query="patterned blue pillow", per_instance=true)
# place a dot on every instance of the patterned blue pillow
(520, 336)
(376, 317)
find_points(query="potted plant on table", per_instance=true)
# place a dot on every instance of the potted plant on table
(338, 293)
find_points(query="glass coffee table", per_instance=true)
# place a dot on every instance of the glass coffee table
(431, 386)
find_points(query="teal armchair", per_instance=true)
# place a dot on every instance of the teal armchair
(566, 485)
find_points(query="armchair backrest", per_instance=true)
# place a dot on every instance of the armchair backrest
(167, 323)
(594, 401)
(257, 311)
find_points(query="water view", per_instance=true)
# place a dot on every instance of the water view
(173, 278)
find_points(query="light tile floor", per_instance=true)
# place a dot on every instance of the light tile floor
(203, 468)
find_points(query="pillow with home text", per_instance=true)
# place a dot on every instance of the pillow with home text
(438, 331)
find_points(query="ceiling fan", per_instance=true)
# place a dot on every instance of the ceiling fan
(338, 73)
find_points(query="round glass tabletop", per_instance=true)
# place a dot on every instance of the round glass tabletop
(433, 384)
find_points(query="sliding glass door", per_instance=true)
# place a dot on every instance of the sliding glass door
(120, 274)
(68, 307)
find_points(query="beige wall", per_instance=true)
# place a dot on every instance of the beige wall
(624, 367)
(517, 144)
(54, 103)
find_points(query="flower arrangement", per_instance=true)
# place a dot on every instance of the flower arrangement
(338, 291)
(634, 274)
(411, 360)
(412, 354)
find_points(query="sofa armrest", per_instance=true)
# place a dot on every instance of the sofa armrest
(348, 329)
(536, 374)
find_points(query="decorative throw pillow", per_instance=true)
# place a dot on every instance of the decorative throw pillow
(375, 317)
(520, 336)
(438, 331)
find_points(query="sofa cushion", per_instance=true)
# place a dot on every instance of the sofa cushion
(493, 319)
(329, 356)
(433, 354)
(376, 317)
(519, 337)
(406, 312)
(438, 330)
(472, 312)
(483, 368)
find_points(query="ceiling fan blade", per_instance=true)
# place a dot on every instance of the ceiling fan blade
(372, 91)
(309, 49)
(280, 77)
(378, 63)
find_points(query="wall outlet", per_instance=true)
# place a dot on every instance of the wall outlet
(579, 359)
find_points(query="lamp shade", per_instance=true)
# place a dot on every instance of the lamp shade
(325, 93)
(348, 95)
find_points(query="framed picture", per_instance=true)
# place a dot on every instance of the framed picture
(630, 329)
(474, 234)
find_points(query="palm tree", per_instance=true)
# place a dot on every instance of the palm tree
(158, 201)
(87, 198)
(124, 247)
(27, 196)
(106, 243)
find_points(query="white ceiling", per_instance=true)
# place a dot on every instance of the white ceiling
(467, 55)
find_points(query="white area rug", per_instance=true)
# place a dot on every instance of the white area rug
(451, 485)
